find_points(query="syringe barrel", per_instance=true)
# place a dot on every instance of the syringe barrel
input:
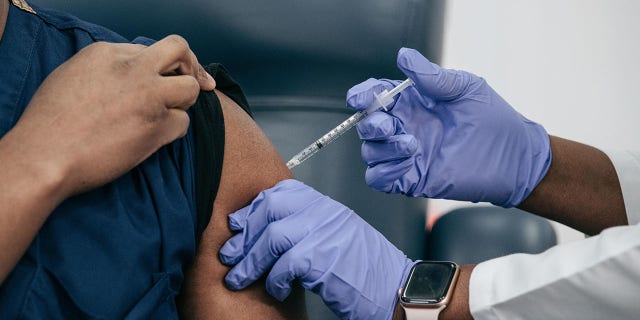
(346, 125)
(326, 139)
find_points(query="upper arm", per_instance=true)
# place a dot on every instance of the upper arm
(251, 164)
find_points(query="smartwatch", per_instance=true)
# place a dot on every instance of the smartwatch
(428, 289)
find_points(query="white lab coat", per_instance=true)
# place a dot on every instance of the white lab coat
(596, 278)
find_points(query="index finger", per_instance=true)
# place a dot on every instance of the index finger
(361, 97)
(277, 239)
(172, 55)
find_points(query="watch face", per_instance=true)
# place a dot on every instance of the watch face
(428, 282)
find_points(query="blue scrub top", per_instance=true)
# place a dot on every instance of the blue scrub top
(117, 251)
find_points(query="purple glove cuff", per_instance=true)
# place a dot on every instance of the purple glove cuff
(539, 161)
(403, 280)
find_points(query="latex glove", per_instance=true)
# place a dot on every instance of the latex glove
(450, 136)
(291, 232)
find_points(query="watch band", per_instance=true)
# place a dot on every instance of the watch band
(422, 313)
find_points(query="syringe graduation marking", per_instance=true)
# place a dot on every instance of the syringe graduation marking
(382, 100)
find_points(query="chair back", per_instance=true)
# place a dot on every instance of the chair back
(295, 61)
(476, 234)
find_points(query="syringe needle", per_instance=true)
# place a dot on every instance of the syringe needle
(382, 100)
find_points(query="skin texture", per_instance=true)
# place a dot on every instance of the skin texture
(4, 10)
(581, 189)
(120, 102)
(251, 164)
(124, 131)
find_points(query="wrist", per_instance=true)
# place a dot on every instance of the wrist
(458, 308)
(580, 185)
(28, 171)
(398, 312)
(28, 195)
(435, 290)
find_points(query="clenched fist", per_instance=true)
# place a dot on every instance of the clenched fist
(107, 109)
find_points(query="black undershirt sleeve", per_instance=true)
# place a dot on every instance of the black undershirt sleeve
(208, 127)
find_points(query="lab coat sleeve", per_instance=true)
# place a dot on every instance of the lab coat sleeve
(627, 164)
(595, 278)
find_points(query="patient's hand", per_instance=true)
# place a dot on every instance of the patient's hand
(251, 164)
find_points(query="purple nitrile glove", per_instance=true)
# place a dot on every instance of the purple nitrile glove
(450, 136)
(292, 231)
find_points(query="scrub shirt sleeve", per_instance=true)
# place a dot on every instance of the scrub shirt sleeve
(597, 278)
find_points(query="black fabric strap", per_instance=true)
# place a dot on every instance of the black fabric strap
(208, 127)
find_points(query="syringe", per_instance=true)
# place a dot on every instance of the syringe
(382, 100)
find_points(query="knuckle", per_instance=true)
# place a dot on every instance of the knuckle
(193, 100)
(455, 84)
(99, 51)
(201, 74)
(193, 86)
(274, 231)
(154, 115)
(153, 118)
(191, 89)
(277, 200)
(269, 204)
(183, 124)
(375, 181)
(278, 241)
(178, 42)
(137, 46)
(275, 208)
(98, 46)
(297, 256)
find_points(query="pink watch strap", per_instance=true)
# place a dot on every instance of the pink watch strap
(422, 313)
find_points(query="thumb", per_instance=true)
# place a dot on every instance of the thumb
(431, 80)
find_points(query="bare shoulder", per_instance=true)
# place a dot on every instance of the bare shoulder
(251, 164)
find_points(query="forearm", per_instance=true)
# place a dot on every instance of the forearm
(458, 308)
(581, 189)
(29, 191)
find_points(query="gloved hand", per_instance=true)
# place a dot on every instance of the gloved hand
(450, 136)
(293, 232)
